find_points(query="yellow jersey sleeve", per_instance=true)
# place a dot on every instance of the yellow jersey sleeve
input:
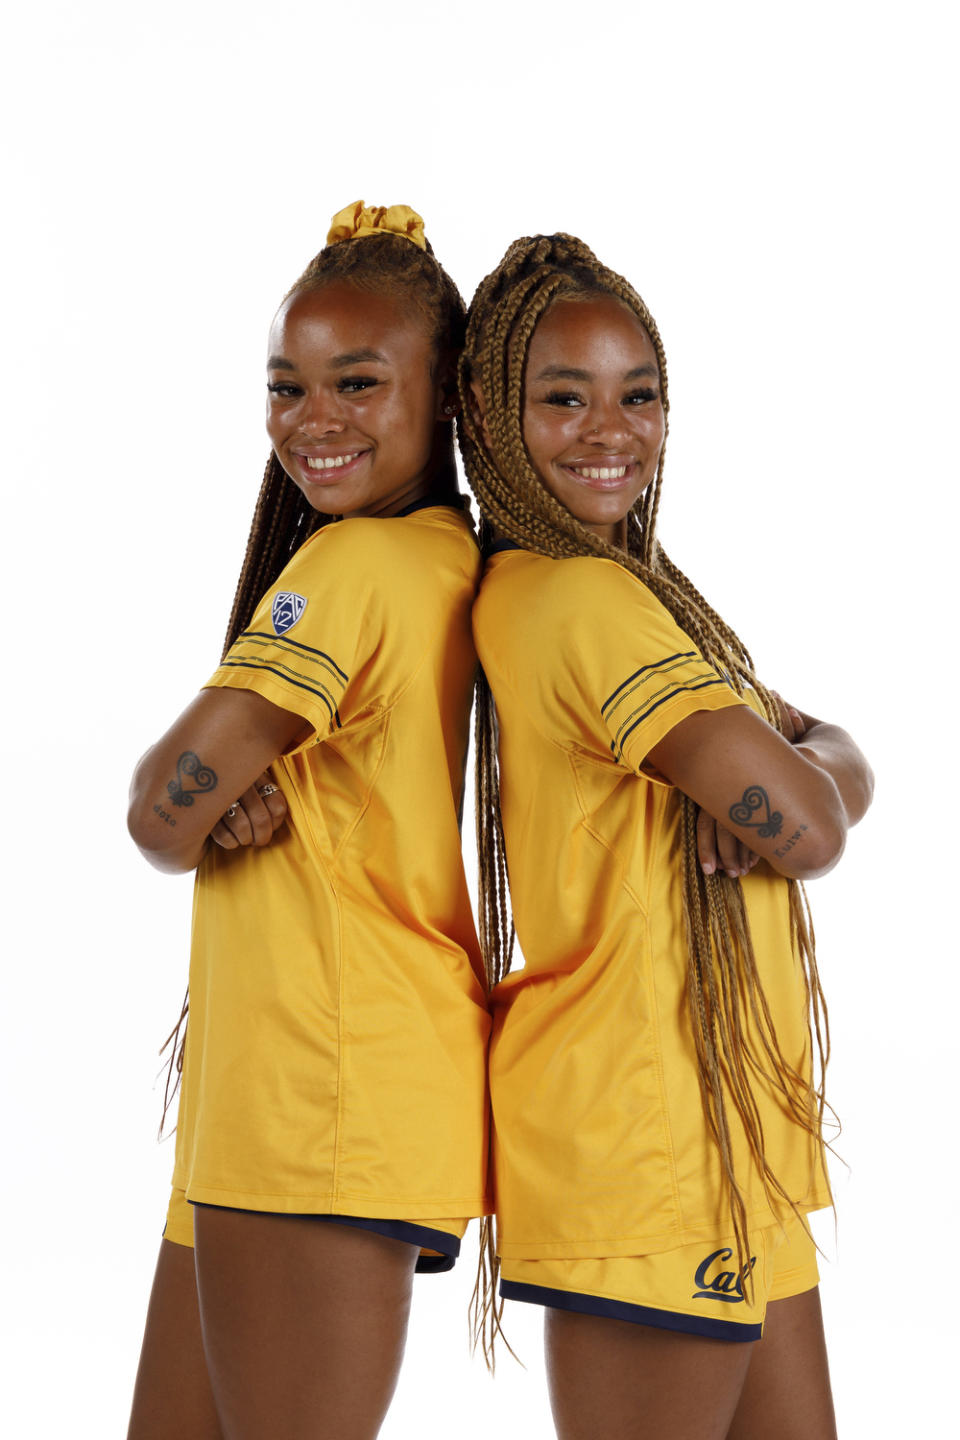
(612, 671)
(307, 635)
(663, 678)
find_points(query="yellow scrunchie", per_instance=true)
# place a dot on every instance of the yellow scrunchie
(359, 219)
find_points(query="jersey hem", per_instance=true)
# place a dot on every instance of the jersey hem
(361, 1206)
(614, 1248)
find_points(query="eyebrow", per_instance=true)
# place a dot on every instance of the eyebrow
(339, 362)
(562, 372)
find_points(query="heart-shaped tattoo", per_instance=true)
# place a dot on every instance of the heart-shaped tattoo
(190, 769)
(754, 799)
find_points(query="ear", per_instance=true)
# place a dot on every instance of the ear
(478, 410)
(448, 400)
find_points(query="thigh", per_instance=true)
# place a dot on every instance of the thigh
(172, 1395)
(635, 1382)
(787, 1389)
(304, 1324)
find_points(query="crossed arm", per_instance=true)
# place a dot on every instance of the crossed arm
(211, 757)
(788, 799)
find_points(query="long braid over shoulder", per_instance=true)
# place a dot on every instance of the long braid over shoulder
(388, 264)
(723, 982)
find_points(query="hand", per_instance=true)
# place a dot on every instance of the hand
(794, 726)
(254, 819)
(717, 849)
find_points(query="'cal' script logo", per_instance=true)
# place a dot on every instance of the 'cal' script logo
(287, 609)
(725, 1285)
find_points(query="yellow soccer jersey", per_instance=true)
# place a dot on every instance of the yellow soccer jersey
(600, 1145)
(336, 1050)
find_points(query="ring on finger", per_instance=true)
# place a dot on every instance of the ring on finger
(267, 790)
(231, 812)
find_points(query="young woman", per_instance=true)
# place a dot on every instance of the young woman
(334, 1065)
(658, 1126)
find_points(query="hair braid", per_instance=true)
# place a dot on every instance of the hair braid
(723, 983)
(384, 263)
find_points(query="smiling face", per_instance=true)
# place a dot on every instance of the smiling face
(352, 400)
(593, 419)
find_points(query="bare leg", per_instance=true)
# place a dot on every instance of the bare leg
(304, 1324)
(787, 1390)
(634, 1382)
(172, 1395)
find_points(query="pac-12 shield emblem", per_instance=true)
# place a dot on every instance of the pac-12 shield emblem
(287, 609)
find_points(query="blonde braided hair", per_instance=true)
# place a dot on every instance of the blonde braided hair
(724, 987)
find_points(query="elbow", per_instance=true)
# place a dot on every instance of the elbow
(815, 853)
(142, 817)
(815, 847)
(153, 830)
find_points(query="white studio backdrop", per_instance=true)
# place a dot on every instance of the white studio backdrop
(776, 183)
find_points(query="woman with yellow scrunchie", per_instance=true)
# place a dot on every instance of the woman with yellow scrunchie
(332, 1132)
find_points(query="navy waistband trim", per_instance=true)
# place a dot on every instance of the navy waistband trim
(420, 1235)
(637, 1314)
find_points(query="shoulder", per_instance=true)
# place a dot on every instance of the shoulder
(396, 555)
(539, 600)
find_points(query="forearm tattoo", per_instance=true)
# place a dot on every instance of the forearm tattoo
(768, 823)
(193, 778)
(788, 845)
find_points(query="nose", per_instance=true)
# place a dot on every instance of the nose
(605, 422)
(321, 414)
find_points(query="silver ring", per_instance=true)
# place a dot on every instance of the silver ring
(231, 812)
(267, 790)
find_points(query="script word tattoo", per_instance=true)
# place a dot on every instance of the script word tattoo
(755, 803)
(193, 778)
(788, 845)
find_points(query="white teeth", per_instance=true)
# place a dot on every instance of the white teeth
(604, 472)
(332, 462)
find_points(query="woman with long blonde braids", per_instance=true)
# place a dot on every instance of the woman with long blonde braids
(332, 1133)
(657, 1065)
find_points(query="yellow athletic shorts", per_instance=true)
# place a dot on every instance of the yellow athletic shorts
(438, 1242)
(695, 1289)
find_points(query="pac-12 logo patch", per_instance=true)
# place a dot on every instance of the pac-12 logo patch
(287, 609)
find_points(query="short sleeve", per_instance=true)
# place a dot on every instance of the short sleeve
(638, 674)
(301, 646)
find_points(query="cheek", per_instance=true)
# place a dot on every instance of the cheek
(277, 420)
(539, 435)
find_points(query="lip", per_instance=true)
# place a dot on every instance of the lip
(335, 474)
(626, 463)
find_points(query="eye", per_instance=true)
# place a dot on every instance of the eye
(353, 384)
(283, 389)
(566, 398)
(640, 397)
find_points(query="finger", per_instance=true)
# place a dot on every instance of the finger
(260, 816)
(224, 836)
(744, 854)
(273, 798)
(728, 849)
(798, 726)
(706, 842)
(239, 822)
